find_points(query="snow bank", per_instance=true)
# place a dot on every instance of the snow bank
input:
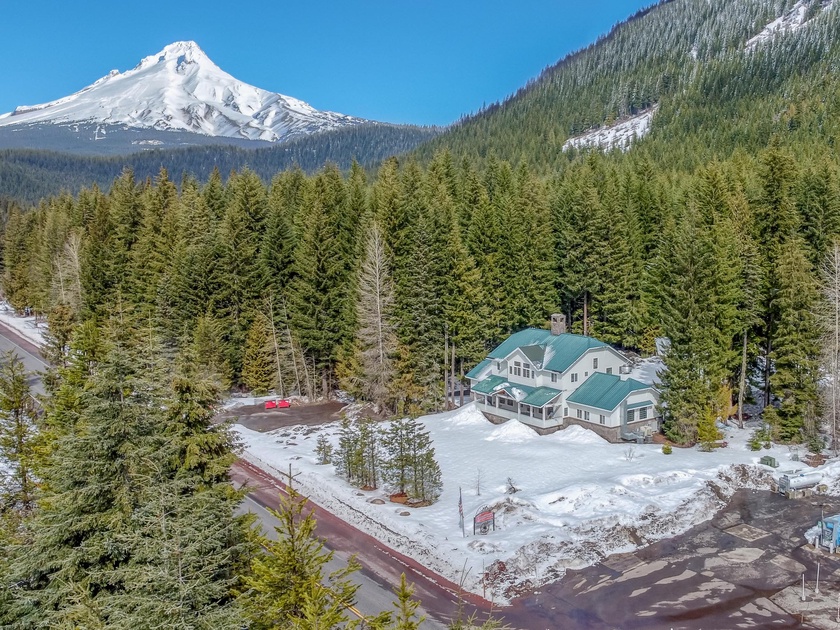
(26, 327)
(578, 499)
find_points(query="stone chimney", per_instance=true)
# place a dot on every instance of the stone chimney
(558, 324)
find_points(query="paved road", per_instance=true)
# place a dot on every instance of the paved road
(381, 567)
(720, 574)
(28, 353)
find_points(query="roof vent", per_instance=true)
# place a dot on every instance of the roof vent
(558, 324)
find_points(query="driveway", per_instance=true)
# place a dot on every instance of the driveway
(257, 418)
(720, 574)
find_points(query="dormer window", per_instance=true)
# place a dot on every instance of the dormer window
(554, 377)
(526, 371)
(517, 368)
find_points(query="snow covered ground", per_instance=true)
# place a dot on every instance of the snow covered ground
(616, 136)
(26, 327)
(579, 498)
(791, 21)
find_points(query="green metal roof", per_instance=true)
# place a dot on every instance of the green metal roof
(560, 351)
(541, 396)
(604, 391)
(489, 384)
(476, 371)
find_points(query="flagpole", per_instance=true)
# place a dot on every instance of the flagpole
(461, 511)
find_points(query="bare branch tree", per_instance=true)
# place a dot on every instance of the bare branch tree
(829, 318)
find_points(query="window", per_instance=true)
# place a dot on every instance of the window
(554, 377)
(526, 371)
(585, 374)
(586, 415)
(595, 363)
(574, 377)
(517, 368)
(643, 413)
(580, 413)
(609, 370)
(630, 415)
(603, 419)
(498, 366)
(549, 411)
(565, 412)
(525, 410)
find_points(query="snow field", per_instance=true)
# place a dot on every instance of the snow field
(579, 497)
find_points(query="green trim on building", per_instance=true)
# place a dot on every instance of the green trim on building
(644, 403)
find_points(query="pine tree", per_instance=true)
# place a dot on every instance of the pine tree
(398, 444)
(187, 546)
(18, 437)
(66, 573)
(259, 372)
(425, 481)
(288, 586)
(795, 353)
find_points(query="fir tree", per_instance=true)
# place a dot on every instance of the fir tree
(259, 372)
(18, 436)
(288, 586)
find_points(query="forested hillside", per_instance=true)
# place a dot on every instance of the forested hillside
(29, 175)
(715, 92)
(362, 284)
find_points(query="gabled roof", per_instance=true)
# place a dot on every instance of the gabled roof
(490, 384)
(475, 373)
(605, 391)
(535, 354)
(541, 396)
(558, 351)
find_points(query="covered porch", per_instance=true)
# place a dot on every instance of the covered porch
(535, 406)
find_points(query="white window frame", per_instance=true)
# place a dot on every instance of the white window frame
(609, 370)
(603, 419)
(594, 363)
(643, 413)
(574, 377)
(631, 415)
(554, 377)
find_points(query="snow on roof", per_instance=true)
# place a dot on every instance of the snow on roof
(560, 350)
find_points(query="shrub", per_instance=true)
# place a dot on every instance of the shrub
(667, 449)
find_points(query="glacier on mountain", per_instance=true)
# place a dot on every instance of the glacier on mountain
(181, 89)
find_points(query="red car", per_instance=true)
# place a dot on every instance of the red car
(277, 404)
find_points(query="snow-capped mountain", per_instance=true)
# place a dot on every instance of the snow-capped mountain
(181, 89)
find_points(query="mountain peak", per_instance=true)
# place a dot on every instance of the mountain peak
(180, 53)
(181, 89)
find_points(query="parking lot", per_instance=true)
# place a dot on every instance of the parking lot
(258, 418)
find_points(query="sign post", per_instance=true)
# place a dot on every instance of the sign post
(484, 520)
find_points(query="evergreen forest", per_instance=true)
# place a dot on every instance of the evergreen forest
(165, 289)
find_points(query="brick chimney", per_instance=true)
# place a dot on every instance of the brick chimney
(558, 324)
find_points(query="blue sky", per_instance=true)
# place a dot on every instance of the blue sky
(409, 61)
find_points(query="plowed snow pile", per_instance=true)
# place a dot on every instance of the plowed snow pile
(578, 499)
